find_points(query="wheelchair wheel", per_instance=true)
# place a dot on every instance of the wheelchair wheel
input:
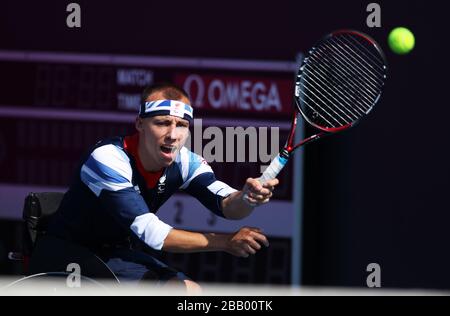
(54, 283)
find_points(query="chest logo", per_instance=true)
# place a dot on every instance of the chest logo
(162, 184)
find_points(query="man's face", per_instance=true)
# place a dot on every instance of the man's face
(161, 137)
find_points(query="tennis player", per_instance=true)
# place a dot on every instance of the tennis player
(122, 182)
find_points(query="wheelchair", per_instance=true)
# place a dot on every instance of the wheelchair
(45, 257)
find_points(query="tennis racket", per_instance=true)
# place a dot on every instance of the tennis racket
(338, 83)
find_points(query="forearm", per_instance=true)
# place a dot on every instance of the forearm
(243, 243)
(184, 241)
(234, 206)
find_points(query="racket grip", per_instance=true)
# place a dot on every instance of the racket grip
(274, 169)
(271, 172)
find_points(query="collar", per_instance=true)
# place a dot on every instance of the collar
(130, 144)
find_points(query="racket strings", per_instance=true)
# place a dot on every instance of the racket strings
(341, 80)
(349, 55)
(331, 111)
(345, 68)
(317, 73)
(368, 51)
(340, 97)
(344, 77)
(324, 71)
(373, 62)
(343, 103)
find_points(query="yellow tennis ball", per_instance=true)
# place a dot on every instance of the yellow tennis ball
(401, 40)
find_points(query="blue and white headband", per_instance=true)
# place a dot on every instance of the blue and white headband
(167, 107)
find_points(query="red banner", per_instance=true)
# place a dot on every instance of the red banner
(253, 95)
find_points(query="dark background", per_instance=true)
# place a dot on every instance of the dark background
(375, 194)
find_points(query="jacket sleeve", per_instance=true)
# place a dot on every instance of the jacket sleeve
(108, 174)
(200, 182)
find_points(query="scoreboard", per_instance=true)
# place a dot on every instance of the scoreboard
(54, 106)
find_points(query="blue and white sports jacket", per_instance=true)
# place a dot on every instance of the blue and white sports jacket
(112, 198)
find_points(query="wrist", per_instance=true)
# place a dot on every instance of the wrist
(218, 242)
(244, 197)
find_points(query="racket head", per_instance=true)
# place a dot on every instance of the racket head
(340, 80)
